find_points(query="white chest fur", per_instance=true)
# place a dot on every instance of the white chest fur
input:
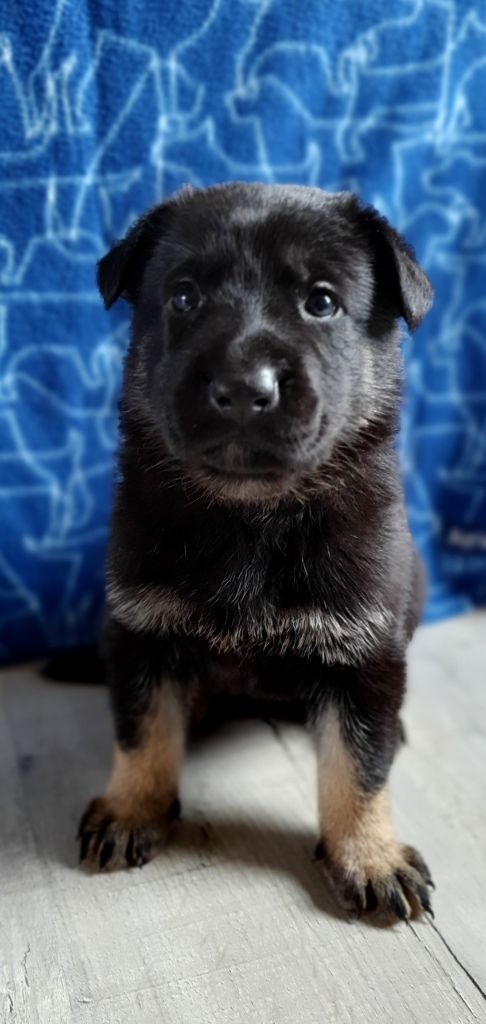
(336, 639)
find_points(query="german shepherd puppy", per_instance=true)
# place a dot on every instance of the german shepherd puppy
(259, 542)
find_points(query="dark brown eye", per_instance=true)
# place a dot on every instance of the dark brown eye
(321, 303)
(186, 296)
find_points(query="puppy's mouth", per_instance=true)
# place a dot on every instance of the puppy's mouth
(239, 474)
(234, 462)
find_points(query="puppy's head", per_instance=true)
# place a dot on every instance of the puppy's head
(265, 336)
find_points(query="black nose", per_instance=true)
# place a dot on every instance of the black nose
(243, 398)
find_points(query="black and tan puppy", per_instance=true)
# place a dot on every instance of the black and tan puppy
(259, 540)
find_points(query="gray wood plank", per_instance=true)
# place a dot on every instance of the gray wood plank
(233, 922)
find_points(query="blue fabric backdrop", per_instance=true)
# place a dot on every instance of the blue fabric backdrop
(108, 105)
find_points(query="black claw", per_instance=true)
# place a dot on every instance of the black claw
(100, 835)
(319, 853)
(140, 859)
(370, 897)
(82, 824)
(398, 906)
(412, 882)
(174, 810)
(106, 852)
(86, 838)
(359, 907)
(421, 891)
(426, 877)
(427, 906)
(355, 900)
(129, 851)
(417, 861)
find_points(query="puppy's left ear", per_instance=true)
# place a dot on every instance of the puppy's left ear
(120, 272)
(404, 283)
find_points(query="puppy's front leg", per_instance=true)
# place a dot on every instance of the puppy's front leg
(129, 824)
(357, 735)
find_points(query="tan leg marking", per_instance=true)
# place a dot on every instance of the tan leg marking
(360, 852)
(356, 827)
(129, 824)
(144, 780)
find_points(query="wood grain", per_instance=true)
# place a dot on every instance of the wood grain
(233, 923)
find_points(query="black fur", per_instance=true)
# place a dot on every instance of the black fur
(248, 512)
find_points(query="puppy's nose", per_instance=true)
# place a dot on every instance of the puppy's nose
(244, 398)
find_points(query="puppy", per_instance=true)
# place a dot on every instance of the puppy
(259, 542)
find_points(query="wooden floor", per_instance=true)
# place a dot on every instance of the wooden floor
(234, 922)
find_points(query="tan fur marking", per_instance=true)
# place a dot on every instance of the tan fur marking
(144, 781)
(356, 827)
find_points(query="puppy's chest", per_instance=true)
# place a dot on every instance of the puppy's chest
(270, 609)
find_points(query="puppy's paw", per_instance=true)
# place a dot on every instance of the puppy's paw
(393, 883)
(111, 839)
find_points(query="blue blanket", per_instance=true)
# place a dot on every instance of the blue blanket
(108, 105)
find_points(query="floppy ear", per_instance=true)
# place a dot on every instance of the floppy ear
(120, 271)
(398, 273)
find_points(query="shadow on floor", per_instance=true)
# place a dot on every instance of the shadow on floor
(257, 846)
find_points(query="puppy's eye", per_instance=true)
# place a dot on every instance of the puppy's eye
(186, 296)
(321, 302)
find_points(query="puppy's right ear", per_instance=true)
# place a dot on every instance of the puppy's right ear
(120, 271)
